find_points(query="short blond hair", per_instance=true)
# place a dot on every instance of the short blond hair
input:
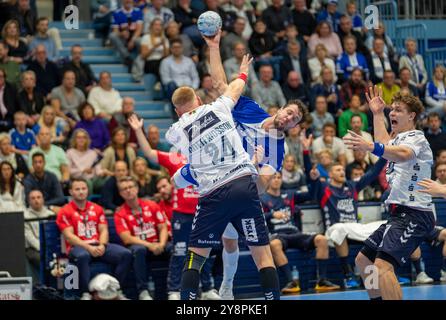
(183, 96)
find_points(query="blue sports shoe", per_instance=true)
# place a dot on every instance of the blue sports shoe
(403, 281)
(351, 283)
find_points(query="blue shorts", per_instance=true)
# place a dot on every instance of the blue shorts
(236, 202)
(406, 229)
(296, 240)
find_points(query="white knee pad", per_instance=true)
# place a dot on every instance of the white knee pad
(230, 232)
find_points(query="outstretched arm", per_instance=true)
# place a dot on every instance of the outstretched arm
(217, 71)
(137, 125)
(236, 87)
(377, 105)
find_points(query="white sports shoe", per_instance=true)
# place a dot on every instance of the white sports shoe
(210, 295)
(443, 276)
(423, 278)
(121, 296)
(174, 295)
(145, 295)
(86, 296)
(225, 292)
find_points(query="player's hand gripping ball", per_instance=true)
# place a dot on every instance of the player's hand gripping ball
(209, 23)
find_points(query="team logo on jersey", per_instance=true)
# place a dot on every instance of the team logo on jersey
(201, 125)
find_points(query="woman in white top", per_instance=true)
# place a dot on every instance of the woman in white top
(320, 60)
(154, 47)
(436, 92)
(11, 189)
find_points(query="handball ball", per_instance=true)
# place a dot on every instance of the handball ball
(209, 23)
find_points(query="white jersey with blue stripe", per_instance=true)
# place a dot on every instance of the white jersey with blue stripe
(249, 118)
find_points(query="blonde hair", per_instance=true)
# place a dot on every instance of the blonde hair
(74, 136)
(147, 175)
(183, 96)
(4, 136)
(42, 123)
(434, 80)
(325, 151)
(6, 26)
(291, 156)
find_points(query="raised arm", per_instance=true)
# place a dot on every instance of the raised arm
(377, 105)
(236, 87)
(217, 71)
(371, 175)
(137, 125)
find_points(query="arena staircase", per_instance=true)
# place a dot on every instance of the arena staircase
(102, 58)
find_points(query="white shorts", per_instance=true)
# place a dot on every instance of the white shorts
(230, 232)
(351, 230)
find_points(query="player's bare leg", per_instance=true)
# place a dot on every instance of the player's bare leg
(388, 282)
(362, 262)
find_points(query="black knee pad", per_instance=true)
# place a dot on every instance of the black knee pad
(388, 258)
(193, 261)
(369, 253)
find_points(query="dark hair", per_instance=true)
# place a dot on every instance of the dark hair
(176, 40)
(127, 179)
(413, 103)
(82, 107)
(433, 115)
(329, 125)
(355, 116)
(301, 107)
(38, 154)
(357, 166)
(162, 177)
(404, 69)
(113, 134)
(439, 163)
(73, 180)
(41, 19)
(3, 181)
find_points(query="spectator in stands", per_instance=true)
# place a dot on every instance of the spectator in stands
(49, 120)
(146, 182)
(370, 192)
(11, 189)
(177, 70)
(172, 31)
(228, 17)
(441, 156)
(36, 210)
(345, 117)
(110, 197)
(127, 27)
(329, 89)
(22, 138)
(354, 86)
(85, 79)
(292, 145)
(346, 29)
(291, 35)
(415, 63)
(379, 62)
(359, 159)
(45, 181)
(30, 100)
(47, 72)
(356, 125)
(96, 127)
(146, 236)
(303, 19)
(338, 201)
(187, 17)
(119, 150)
(11, 67)
(293, 178)
(293, 61)
(326, 36)
(404, 82)
(7, 153)
(26, 17)
(436, 92)
(320, 61)
(83, 162)
(440, 172)
(207, 92)
(320, 116)
(105, 100)
(55, 158)
(389, 86)
(154, 47)
(262, 41)
(232, 38)
(232, 65)
(276, 17)
(101, 12)
(8, 103)
(294, 88)
(379, 33)
(329, 141)
(283, 219)
(354, 16)
(84, 227)
(42, 37)
(66, 98)
(324, 161)
(153, 137)
(350, 59)
(119, 119)
(434, 133)
(331, 15)
(17, 48)
(244, 10)
(157, 10)
(204, 65)
(268, 92)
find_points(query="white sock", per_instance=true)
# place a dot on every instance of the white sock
(230, 262)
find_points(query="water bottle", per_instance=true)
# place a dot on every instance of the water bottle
(295, 274)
